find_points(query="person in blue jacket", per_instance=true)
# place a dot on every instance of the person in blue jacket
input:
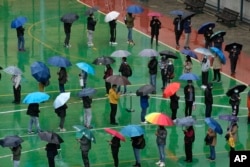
(187, 30)
(144, 106)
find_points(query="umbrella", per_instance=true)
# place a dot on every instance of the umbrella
(69, 18)
(132, 130)
(203, 51)
(103, 60)
(145, 90)
(229, 118)
(240, 89)
(120, 53)
(82, 131)
(86, 67)
(87, 92)
(186, 121)
(213, 124)
(91, 10)
(59, 61)
(187, 15)
(157, 14)
(11, 141)
(18, 22)
(13, 70)
(61, 99)
(115, 133)
(205, 26)
(35, 97)
(189, 76)
(177, 12)
(189, 52)
(218, 33)
(135, 9)
(168, 54)
(111, 16)
(40, 72)
(219, 53)
(230, 46)
(50, 137)
(159, 119)
(118, 80)
(171, 89)
(148, 53)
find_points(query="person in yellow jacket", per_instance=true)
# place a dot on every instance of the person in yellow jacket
(113, 100)
(232, 135)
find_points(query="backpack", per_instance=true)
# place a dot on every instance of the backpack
(127, 71)
(142, 143)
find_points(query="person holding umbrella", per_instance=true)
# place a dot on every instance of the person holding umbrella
(20, 36)
(88, 113)
(169, 72)
(61, 113)
(152, 67)
(161, 136)
(178, 29)
(67, 31)
(212, 134)
(83, 76)
(51, 149)
(208, 100)
(207, 34)
(216, 68)
(107, 73)
(16, 155)
(33, 111)
(189, 136)
(205, 65)
(85, 146)
(155, 25)
(91, 22)
(129, 20)
(62, 78)
(187, 30)
(174, 105)
(188, 64)
(163, 67)
(235, 102)
(231, 136)
(125, 71)
(144, 105)
(115, 145)
(16, 80)
(138, 143)
(233, 56)
(112, 27)
(189, 93)
(113, 100)
(218, 40)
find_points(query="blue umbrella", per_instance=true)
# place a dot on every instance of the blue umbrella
(189, 76)
(18, 22)
(87, 92)
(86, 67)
(132, 131)
(228, 117)
(189, 52)
(135, 9)
(205, 26)
(59, 61)
(177, 12)
(35, 97)
(11, 141)
(219, 53)
(186, 121)
(40, 72)
(213, 124)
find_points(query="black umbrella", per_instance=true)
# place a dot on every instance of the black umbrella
(103, 60)
(145, 90)
(168, 54)
(91, 10)
(118, 80)
(11, 141)
(218, 33)
(50, 137)
(233, 45)
(69, 18)
(240, 89)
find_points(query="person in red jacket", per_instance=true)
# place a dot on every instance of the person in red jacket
(188, 140)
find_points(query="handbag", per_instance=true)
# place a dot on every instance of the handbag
(208, 139)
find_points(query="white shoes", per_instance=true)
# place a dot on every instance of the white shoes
(145, 122)
(158, 163)
(113, 43)
(161, 164)
(203, 86)
(62, 130)
(90, 44)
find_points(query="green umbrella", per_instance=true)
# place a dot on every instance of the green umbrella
(82, 131)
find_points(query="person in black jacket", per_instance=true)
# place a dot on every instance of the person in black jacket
(20, 36)
(62, 78)
(67, 30)
(208, 99)
(88, 113)
(123, 70)
(61, 113)
(51, 149)
(174, 105)
(178, 29)
(16, 155)
(137, 144)
(152, 66)
(189, 93)
(112, 26)
(235, 102)
(91, 22)
(218, 40)
(33, 111)
(155, 25)
(115, 145)
(207, 35)
(85, 146)
(233, 56)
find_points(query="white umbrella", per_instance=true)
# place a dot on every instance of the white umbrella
(111, 16)
(148, 53)
(120, 53)
(13, 70)
(204, 51)
(61, 99)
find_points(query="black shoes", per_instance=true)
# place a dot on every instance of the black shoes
(114, 123)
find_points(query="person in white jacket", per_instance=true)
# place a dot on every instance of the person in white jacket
(16, 80)
(205, 65)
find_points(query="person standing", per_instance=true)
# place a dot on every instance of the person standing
(205, 65)
(67, 31)
(235, 102)
(16, 80)
(144, 105)
(216, 68)
(83, 76)
(188, 64)
(33, 111)
(113, 100)
(20, 38)
(16, 155)
(189, 93)
(91, 22)
(232, 133)
(189, 137)
(174, 105)
(112, 26)
(88, 113)
(138, 143)
(169, 72)
(178, 29)
(61, 113)
(62, 78)
(152, 66)
(85, 146)
(129, 20)
(207, 34)
(163, 64)
(218, 40)
(155, 25)
(161, 136)
(233, 56)
(208, 100)
(187, 30)
(212, 134)
(107, 73)
(115, 145)
(51, 149)
(125, 71)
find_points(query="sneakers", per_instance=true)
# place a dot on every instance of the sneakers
(90, 44)
(114, 43)
(145, 122)
(203, 86)
(158, 163)
(31, 132)
(162, 164)
(62, 130)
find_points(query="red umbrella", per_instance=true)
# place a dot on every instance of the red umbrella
(115, 133)
(159, 119)
(171, 89)
(154, 14)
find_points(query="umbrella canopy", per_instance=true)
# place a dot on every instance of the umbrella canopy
(111, 16)
(18, 22)
(157, 14)
(120, 53)
(103, 60)
(87, 92)
(91, 11)
(203, 51)
(189, 76)
(145, 90)
(36, 97)
(240, 89)
(132, 130)
(11, 141)
(82, 131)
(13, 70)
(118, 80)
(229, 118)
(213, 124)
(40, 71)
(148, 53)
(177, 12)
(189, 52)
(205, 26)
(61, 99)
(171, 89)
(135, 9)
(50, 137)
(115, 133)
(168, 54)
(59, 61)
(187, 15)
(217, 33)
(235, 45)
(186, 121)
(159, 119)
(69, 18)
(219, 53)
(86, 67)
